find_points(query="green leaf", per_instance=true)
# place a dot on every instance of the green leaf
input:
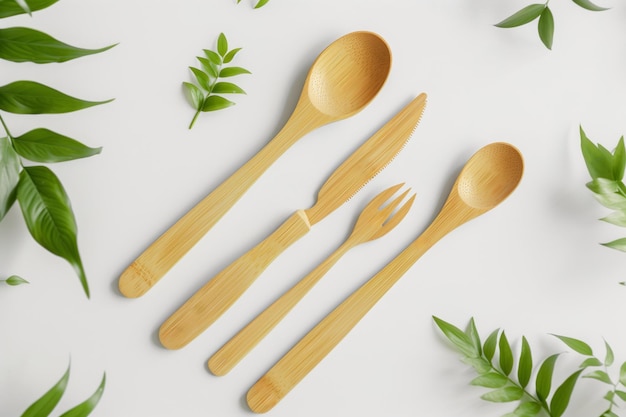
(609, 413)
(86, 407)
(600, 376)
(591, 362)
(506, 354)
(227, 88)
(20, 44)
(621, 394)
(490, 380)
(523, 16)
(29, 97)
(230, 55)
(619, 244)
(9, 176)
(480, 365)
(576, 345)
(598, 163)
(546, 27)
(213, 103)
(44, 405)
(586, 4)
(622, 374)
(12, 8)
(504, 395)
(612, 201)
(604, 186)
(489, 347)
(49, 217)
(543, 382)
(527, 409)
(619, 160)
(213, 56)
(14, 280)
(618, 218)
(208, 66)
(43, 145)
(562, 395)
(472, 332)
(222, 45)
(203, 79)
(458, 338)
(233, 71)
(194, 95)
(525, 367)
(261, 3)
(609, 358)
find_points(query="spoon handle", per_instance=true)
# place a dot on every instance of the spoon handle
(313, 347)
(172, 245)
(243, 342)
(217, 295)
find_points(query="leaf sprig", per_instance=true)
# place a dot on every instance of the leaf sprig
(205, 95)
(259, 4)
(511, 380)
(44, 406)
(42, 198)
(545, 25)
(606, 169)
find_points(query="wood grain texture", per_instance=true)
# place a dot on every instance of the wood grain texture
(374, 222)
(485, 181)
(344, 78)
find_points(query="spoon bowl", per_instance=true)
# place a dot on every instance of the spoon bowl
(344, 78)
(487, 179)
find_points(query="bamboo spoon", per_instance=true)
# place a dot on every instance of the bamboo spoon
(344, 78)
(485, 181)
(374, 222)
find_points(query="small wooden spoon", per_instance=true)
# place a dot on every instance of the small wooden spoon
(344, 78)
(485, 181)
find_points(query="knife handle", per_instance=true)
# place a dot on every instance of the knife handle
(217, 295)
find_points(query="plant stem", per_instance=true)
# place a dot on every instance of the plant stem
(193, 121)
(6, 128)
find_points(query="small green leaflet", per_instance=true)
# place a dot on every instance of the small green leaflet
(205, 94)
(29, 97)
(20, 44)
(14, 280)
(259, 4)
(9, 176)
(49, 217)
(44, 406)
(10, 8)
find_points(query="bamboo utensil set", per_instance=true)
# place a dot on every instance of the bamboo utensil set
(344, 78)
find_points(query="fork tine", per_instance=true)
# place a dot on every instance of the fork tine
(397, 217)
(385, 195)
(389, 208)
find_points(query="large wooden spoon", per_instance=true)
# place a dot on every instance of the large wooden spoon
(485, 181)
(344, 78)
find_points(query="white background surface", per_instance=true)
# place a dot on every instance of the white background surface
(532, 266)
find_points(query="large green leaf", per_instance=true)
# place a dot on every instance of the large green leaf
(523, 16)
(12, 8)
(20, 44)
(9, 176)
(587, 4)
(455, 335)
(504, 395)
(85, 408)
(618, 244)
(543, 383)
(562, 395)
(43, 145)
(525, 366)
(213, 103)
(489, 347)
(576, 344)
(49, 217)
(490, 380)
(599, 163)
(546, 27)
(506, 354)
(29, 97)
(44, 405)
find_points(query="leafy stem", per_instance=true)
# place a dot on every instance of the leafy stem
(205, 94)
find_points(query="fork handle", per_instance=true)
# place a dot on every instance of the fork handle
(217, 295)
(243, 342)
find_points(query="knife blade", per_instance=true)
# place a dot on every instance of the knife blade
(204, 307)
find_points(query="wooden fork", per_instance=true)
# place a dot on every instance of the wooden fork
(375, 221)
